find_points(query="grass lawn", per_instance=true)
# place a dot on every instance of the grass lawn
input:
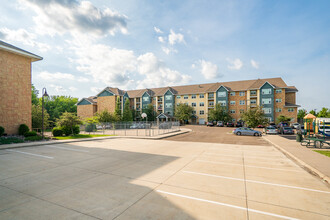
(82, 136)
(326, 153)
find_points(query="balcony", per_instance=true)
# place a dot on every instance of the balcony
(210, 98)
(160, 108)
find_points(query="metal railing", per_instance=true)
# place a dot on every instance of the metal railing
(131, 128)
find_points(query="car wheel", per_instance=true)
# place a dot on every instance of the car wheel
(238, 133)
(255, 134)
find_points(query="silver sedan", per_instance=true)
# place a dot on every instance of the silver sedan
(271, 130)
(246, 131)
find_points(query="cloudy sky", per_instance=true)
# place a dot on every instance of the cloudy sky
(88, 45)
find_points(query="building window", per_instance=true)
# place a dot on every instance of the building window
(278, 110)
(232, 93)
(168, 105)
(290, 110)
(241, 111)
(232, 102)
(266, 101)
(253, 92)
(193, 104)
(253, 101)
(201, 112)
(201, 96)
(168, 97)
(222, 103)
(241, 93)
(278, 90)
(194, 112)
(267, 110)
(146, 99)
(232, 111)
(201, 104)
(193, 96)
(269, 119)
(221, 94)
(185, 97)
(211, 95)
(242, 102)
(211, 103)
(278, 100)
(266, 91)
(178, 97)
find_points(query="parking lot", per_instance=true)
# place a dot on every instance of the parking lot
(157, 179)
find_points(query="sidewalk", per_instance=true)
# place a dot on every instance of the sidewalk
(313, 162)
(39, 143)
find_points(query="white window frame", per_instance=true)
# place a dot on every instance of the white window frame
(278, 100)
(278, 90)
(232, 103)
(253, 101)
(222, 103)
(201, 96)
(211, 103)
(266, 91)
(232, 111)
(253, 92)
(221, 94)
(267, 110)
(168, 105)
(193, 104)
(201, 112)
(178, 97)
(185, 97)
(290, 109)
(241, 93)
(242, 102)
(278, 110)
(232, 93)
(201, 104)
(194, 96)
(263, 101)
(146, 98)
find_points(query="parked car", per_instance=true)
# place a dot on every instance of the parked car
(295, 125)
(286, 130)
(271, 130)
(230, 124)
(282, 124)
(246, 131)
(239, 124)
(220, 124)
(260, 126)
(209, 124)
(272, 124)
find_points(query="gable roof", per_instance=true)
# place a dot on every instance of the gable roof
(11, 48)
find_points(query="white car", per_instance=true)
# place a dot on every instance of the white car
(295, 125)
(271, 130)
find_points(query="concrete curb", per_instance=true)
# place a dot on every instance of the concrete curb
(33, 144)
(304, 165)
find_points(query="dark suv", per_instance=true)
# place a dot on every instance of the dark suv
(230, 124)
(286, 130)
(239, 124)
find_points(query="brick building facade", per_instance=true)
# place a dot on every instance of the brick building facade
(15, 87)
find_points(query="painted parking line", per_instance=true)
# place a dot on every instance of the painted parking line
(37, 155)
(235, 164)
(227, 205)
(65, 148)
(240, 156)
(260, 182)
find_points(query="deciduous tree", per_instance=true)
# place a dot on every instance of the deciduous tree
(183, 112)
(254, 117)
(69, 120)
(219, 113)
(127, 114)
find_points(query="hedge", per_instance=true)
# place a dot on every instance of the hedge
(2, 131)
(57, 132)
(23, 128)
(30, 134)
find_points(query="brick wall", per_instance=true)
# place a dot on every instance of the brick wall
(280, 104)
(290, 97)
(106, 103)
(15, 91)
(86, 111)
(237, 107)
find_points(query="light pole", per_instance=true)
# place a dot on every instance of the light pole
(44, 93)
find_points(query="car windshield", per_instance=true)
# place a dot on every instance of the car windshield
(287, 128)
(270, 127)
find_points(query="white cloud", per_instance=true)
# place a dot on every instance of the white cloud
(174, 38)
(56, 76)
(72, 89)
(157, 30)
(157, 74)
(58, 17)
(209, 70)
(58, 88)
(254, 64)
(23, 36)
(83, 79)
(168, 50)
(96, 90)
(235, 64)
(162, 39)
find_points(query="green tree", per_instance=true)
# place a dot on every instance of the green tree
(35, 93)
(313, 112)
(127, 114)
(301, 113)
(254, 117)
(282, 118)
(219, 113)
(149, 110)
(118, 109)
(133, 114)
(106, 116)
(57, 105)
(69, 120)
(37, 117)
(324, 113)
(183, 112)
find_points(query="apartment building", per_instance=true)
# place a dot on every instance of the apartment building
(15, 87)
(275, 97)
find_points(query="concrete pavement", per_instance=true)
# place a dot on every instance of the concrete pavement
(157, 179)
(313, 162)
